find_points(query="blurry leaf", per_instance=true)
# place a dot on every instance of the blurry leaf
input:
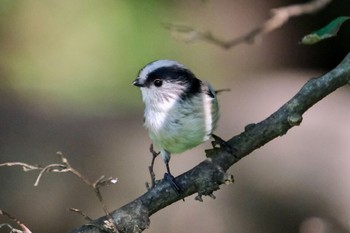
(326, 32)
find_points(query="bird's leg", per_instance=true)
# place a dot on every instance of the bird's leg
(222, 144)
(168, 176)
(171, 179)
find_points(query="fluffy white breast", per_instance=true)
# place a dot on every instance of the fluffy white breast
(180, 126)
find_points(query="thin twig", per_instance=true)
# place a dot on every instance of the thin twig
(65, 167)
(13, 218)
(96, 186)
(150, 168)
(50, 168)
(75, 210)
(26, 167)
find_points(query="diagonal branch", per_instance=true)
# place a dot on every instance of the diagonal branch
(279, 17)
(207, 176)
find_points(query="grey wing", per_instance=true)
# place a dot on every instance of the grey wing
(209, 90)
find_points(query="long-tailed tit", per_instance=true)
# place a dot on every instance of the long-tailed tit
(181, 111)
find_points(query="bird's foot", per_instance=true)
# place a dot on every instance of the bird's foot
(174, 184)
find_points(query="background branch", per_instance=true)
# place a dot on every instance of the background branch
(24, 228)
(206, 177)
(65, 167)
(279, 16)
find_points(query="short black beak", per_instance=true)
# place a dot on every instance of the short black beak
(138, 83)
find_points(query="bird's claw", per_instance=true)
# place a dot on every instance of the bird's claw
(174, 184)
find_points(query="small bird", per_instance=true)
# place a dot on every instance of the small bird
(181, 111)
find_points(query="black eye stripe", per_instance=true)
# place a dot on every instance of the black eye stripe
(175, 75)
(171, 74)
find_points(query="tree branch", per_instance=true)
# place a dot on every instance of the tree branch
(279, 16)
(206, 177)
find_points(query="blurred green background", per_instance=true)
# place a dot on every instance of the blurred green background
(80, 55)
(66, 69)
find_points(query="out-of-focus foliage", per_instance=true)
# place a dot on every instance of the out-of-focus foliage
(78, 54)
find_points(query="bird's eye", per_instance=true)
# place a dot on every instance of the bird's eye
(158, 82)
